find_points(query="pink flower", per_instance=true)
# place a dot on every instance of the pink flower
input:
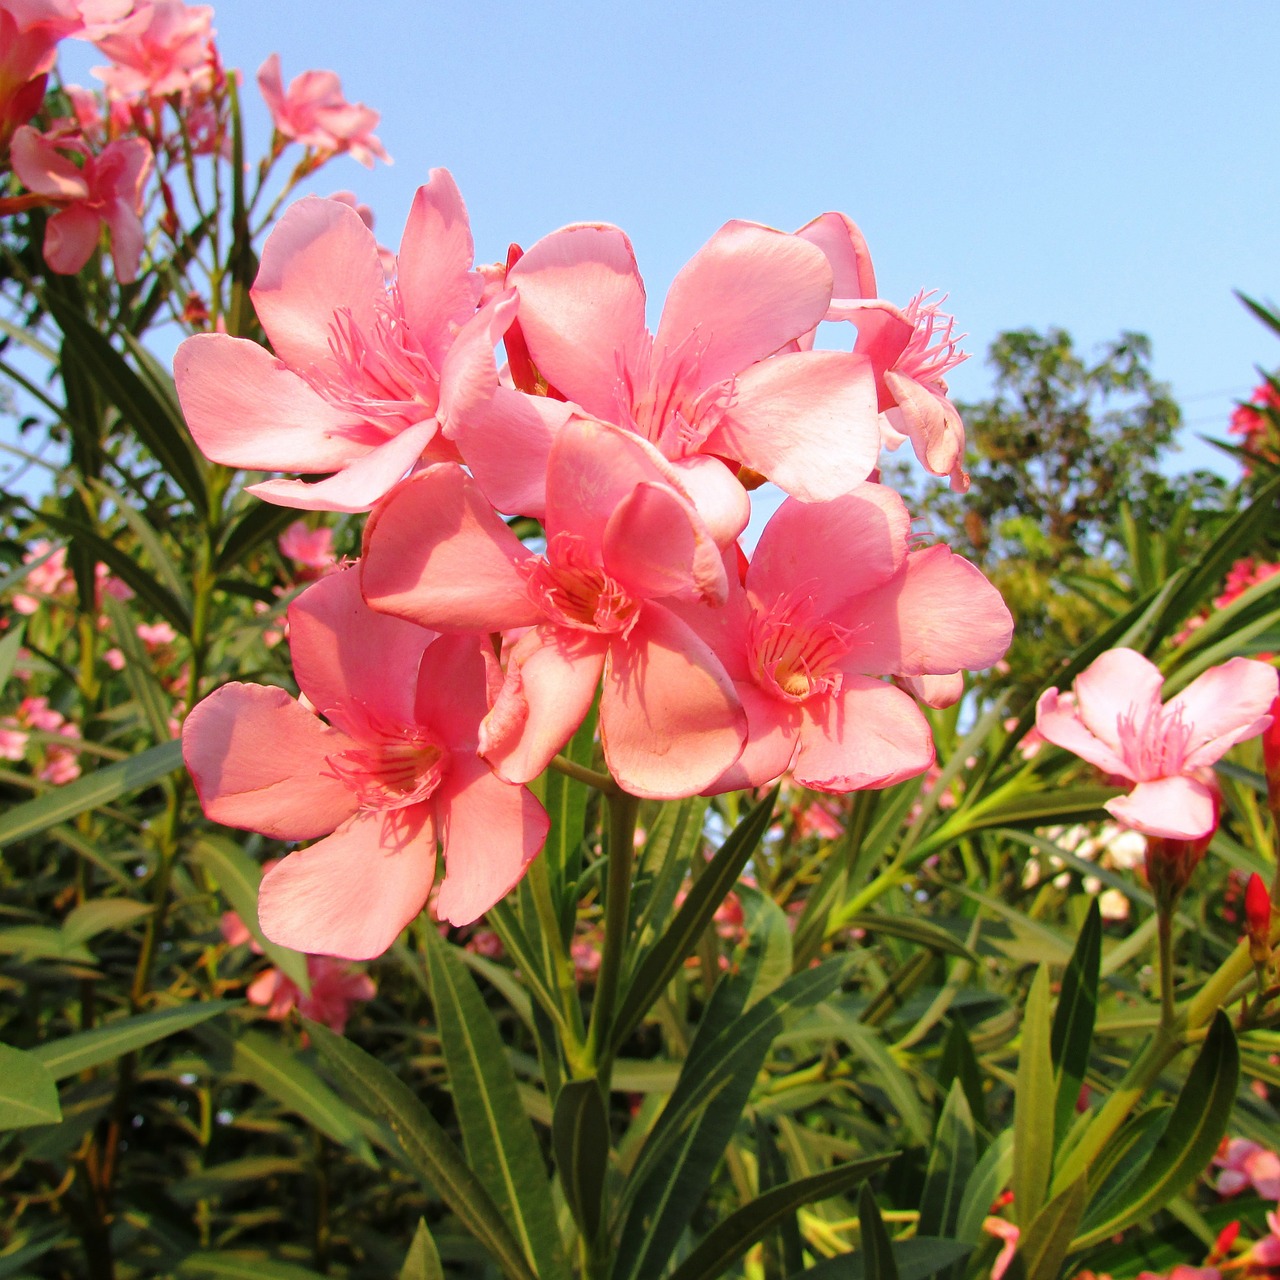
(335, 987)
(13, 742)
(832, 601)
(720, 380)
(393, 771)
(315, 114)
(1006, 1232)
(1116, 722)
(356, 384)
(29, 35)
(49, 579)
(1247, 1164)
(107, 189)
(623, 540)
(162, 47)
(311, 548)
(155, 635)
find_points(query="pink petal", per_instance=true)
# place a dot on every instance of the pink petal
(437, 553)
(491, 830)
(582, 312)
(655, 545)
(319, 259)
(551, 681)
(1117, 683)
(436, 283)
(935, 691)
(43, 169)
(722, 503)
(127, 240)
(867, 735)
(773, 734)
(1179, 808)
(1059, 722)
(931, 420)
(832, 553)
(883, 334)
(839, 238)
(451, 690)
(351, 894)
(1223, 706)
(259, 761)
(806, 420)
(247, 409)
(361, 482)
(939, 615)
(343, 652)
(670, 720)
(70, 237)
(744, 295)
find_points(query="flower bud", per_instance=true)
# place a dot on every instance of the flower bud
(1257, 919)
(1170, 861)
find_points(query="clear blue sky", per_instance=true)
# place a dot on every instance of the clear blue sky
(1095, 166)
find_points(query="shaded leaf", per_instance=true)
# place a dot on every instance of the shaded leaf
(951, 1164)
(580, 1140)
(28, 1094)
(877, 1248)
(1032, 1107)
(422, 1262)
(1072, 1035)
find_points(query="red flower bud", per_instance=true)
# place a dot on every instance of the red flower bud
(1257, 918)
(1171, 861)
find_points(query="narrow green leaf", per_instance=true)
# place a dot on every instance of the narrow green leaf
(989, 1179)
(710, 889)
(231, 1265)
(1044, 1245)
(1032, 1107)
(1072, 1036)
(1191, 1137)
(422, 1262)
(950, 1167)
(238, 878)
(150, 541)
(28, 1094)
(909, 929)
(10, 644)
(499, 1140)
(90, 792)
(85, 1049)
(959, 1062)
(916, 1258)
(877, 1248)
(260, 523)
(424, 1146)
(580, 1140)
(151, 698)
(727, 1242)
(41, 942)
(100, 915)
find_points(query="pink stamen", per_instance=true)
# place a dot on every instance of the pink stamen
(574, 590)
(392, 766)
(794, 656)
(1156, 745)
(932, 351)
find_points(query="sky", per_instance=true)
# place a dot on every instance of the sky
(1098, 167)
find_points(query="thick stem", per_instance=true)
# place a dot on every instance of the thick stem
(602, 782)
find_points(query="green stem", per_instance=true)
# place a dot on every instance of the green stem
(623, 809)
(565, 984)
(1164, 935)
(602, 782)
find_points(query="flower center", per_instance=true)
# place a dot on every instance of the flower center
(572, 589)
(392, 766)
(380, 373)
(931, 351)
(793, 655)
(1156, 745)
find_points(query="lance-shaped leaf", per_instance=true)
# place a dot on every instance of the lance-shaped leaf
(710, 889)
(423, 1145)
(230, 1265)
(28, 1094)
(724, 1245)
(1191, 1137)
(1033, 1106)
(496, 1131)
(1043, 1246)
(422, 1262)
(951, 1165)
(877, 1248)
(916, 1258)
(580, 1139)
(90, 792)
(1072, 1035)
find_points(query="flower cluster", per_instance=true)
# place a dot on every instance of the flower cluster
(449, 667)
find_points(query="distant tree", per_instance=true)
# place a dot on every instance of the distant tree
(1065, 448)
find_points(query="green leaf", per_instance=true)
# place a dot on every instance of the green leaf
(90, 792)
(1032, 1106)
(422, 1262)
(150, 540)
(959, 1062)
(10, 645)
(1194, 1130)
(950, 1167)
(28, 1094)
(261, 523)
(496, 1132)
(1043, 1246)
(877, 1248)
(727, 1242)
(908, 929)
(1073, 1020)
(154, 418)
(235, 1265)
(580, 1140)
(989, 1179)
(712, 886)
(85, 1049)
(238, 878)
(917, 1258)
(424, 1145)
(40, 942)
(150, 697)
(100, 915)
(284, 1075)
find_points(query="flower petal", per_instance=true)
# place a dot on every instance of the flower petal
(491, 830)
(259, 760)
(1058, 721)
(351, 894)
(451, 689)
(1224, 705)
(1178, 808)
(437, 553)
(839, 238)
(670, 719)
(773, 734)
(867, 735)
(1117, 683)
(807, 420)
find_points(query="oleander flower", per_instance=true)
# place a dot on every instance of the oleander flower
(315, 114)
(1115, 720)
